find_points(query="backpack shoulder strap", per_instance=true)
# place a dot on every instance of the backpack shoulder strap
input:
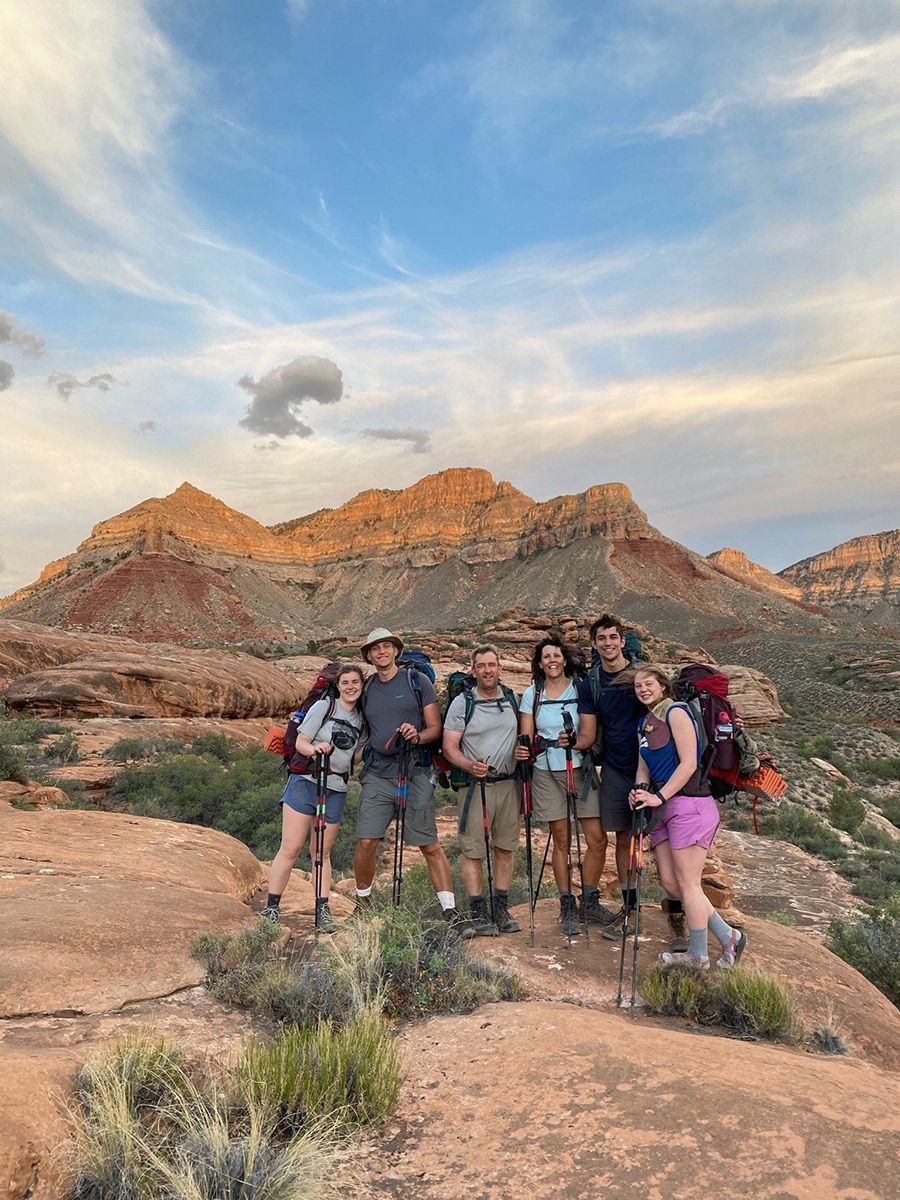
(511, 697)
(469, 703)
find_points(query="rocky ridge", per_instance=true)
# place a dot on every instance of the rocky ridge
(454, 546)
(738, 565)
(861, 574)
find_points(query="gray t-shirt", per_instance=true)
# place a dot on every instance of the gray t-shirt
(388, 705)
(491, 732)
(317, 729)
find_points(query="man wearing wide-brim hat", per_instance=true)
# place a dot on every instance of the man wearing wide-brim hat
(397, 708)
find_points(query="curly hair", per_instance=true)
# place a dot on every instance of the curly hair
(569, 665)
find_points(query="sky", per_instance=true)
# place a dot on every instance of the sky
(291, 250)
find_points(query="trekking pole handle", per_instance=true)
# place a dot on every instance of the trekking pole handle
(569, 726)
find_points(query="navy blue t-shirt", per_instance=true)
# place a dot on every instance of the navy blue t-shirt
(618, 712)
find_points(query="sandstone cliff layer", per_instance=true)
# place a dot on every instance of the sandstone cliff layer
(736, 564)
(863, 573)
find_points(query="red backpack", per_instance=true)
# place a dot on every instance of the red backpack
(324, 688)
(705, 691)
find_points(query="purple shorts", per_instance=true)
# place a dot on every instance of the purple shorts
(687, 821)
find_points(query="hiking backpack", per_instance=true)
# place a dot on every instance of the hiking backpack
(463, 683)
(705, 691)
(324, 688)
(419, 661)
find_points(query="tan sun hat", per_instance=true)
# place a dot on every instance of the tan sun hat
(380, 635)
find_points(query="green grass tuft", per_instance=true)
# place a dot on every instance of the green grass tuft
(750, 1002)
(349, 1074)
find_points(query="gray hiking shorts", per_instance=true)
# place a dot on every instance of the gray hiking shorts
(502, 803)
(548, 795)
(378, 804)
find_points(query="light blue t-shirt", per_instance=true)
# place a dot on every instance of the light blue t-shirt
(549, 724)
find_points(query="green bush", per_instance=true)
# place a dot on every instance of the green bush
(793, 823)
(21, 729)
(750, 1002)
(871, 944)
(881, 768)
(133, 749)
(846, 811)
(64, 749)
(890, 808)
(348, 1074)
(13, 764)
(221, 786)
(820, 746)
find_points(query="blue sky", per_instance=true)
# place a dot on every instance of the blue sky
(652, 242)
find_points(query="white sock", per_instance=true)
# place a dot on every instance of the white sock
(447, 899)
(364, 891)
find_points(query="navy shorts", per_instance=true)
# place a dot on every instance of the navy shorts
(300, 795)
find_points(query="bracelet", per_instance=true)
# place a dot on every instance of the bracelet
(661, 796)
(418, 739)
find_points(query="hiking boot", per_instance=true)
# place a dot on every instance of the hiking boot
(568, 914)
(684, 960)
(453, 919)
(678, 929)
(735, 952)
(479, 923)
(271, 913)
(613, 931)
(504, 921)
(595, 913)
(325, 922)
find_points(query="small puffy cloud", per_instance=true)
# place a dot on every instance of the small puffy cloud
(272, 444)
(7, 375)
(146, 427)
(66, 383)
(419, 439)
(278, 395)
(10, 333)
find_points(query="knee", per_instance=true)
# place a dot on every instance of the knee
(367, 846)
(432, 850)
(290, 850)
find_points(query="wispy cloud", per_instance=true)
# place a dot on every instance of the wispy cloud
(146, 427)
(419, 439)
(7, 374)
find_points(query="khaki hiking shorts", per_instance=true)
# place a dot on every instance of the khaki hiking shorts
(378, 806)
(503, 818)
(548, 795)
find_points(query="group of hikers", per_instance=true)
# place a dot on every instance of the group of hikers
(598, 750)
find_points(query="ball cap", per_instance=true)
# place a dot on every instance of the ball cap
(380, 635)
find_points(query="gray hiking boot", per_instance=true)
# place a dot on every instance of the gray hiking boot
(613, 931)
(325, 922)
(479, 923)
(504, 922)
(568, 914)
(595, 913)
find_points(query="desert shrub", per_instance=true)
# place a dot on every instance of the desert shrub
(64, 749)
(238, 796)
(871, 944)
(793, 823)
(133, 749)
(349, 1074)
(820, 746)
(216, 745)
(826, 1039)
(395, 961)
(876, 838)
(13, 764)
(846, 811)
(890, 808)
(750, 1002)
(21, 729)
(882, 768)
(875, 874)
(780, 916)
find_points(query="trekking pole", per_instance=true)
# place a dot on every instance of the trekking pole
(524, 771)
(628, 872)
(572, 802)
(322, 761)
(487, 845)
(537, 890)
(400, 817)
(639, 872)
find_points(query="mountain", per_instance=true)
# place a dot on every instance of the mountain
(455, 548)
(860, 575)
(736, 564)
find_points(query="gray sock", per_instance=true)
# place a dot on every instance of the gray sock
(721, 930)
(699, 943)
